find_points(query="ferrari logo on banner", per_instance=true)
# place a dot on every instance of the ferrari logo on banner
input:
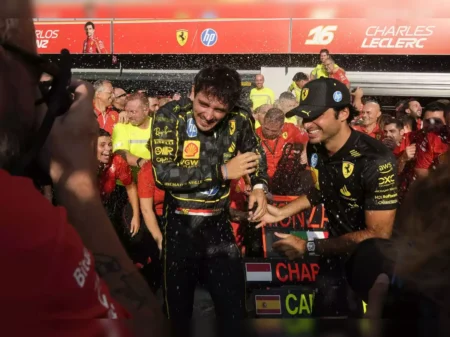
(347, 169)
(182, 36)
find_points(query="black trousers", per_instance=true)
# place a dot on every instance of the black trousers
(201, 249)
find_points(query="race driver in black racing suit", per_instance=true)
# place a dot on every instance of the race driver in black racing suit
(197, 148)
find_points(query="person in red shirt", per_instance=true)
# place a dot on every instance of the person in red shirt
(433, 141)
(404, 150)
(113, 168)
(40, 242)
(92, 44)
(413, 108)
(336, 72)
(52, 275)
(107, 117)
(275, 134)
(371, 114)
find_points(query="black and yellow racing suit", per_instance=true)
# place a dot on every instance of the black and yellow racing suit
(199, 244)
(360, 177)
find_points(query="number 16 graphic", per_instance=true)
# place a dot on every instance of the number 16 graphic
(321, 35)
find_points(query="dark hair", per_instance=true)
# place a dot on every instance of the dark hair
(326, 51)
(300, 77)
(89, 23)
(220, 81)
(432, 107)
(103, 133)
(287, 95)
(398, 123)
(274, 115)
(351, 109)
(410, 121)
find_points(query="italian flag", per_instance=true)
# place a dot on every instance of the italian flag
(311, 235)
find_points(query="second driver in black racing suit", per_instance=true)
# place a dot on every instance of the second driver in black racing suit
(197, 148)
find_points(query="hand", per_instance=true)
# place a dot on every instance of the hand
(273, 215)
(258, 196)
(135, 225)
(304, 158)
(176, 97)
(390, 143)
(142, 163)
(292, 246)
(410, 151)
(71, 144)
(358, 93)
(123, 117)
(242, 164)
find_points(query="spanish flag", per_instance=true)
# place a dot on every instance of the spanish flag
(268, 304)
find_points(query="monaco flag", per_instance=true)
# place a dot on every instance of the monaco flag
(258, 272)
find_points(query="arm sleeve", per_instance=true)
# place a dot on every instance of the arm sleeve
(123, 170)
(167, 150)
(380, 184)
(248, 141)
(146, 183)
(343, 78)
(313, 194)
(120, 138)
(101, 47)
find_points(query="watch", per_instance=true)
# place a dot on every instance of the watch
(261, 187)
(311, 247)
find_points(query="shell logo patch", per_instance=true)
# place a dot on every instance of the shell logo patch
(191, 149)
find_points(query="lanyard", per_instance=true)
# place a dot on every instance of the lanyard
(272, 151)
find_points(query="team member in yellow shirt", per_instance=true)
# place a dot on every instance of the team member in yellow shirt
(298, 81)
(261, 95)
(320, 70)
(130, 140)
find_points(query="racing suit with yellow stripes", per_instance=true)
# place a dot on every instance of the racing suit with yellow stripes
(199, 245)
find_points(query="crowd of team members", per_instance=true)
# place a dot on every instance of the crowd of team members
(417, 136)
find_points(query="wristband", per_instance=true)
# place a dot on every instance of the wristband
(224, 172)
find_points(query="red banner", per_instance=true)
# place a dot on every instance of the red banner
(371, 36)
(202, 37)
(51, 37)
(249, 36)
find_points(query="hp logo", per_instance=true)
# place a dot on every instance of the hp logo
(209, 37)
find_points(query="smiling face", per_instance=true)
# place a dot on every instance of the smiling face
(325, 127)
(104, 149)
(208, 111)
